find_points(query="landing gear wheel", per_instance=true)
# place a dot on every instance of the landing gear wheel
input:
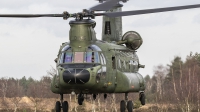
(80, 99)
(105, 96)
(94, 96)
(58, 106)
(142, 98)
(122, 106)
(130, 106)
(65, 106)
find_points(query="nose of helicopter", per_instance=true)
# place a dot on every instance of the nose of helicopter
(76, 76)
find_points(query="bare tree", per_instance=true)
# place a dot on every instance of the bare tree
(35, 92)
(186, 84)
(160, 73)
(52, 72)
(198, 89)
(14, 93)
(3, 86)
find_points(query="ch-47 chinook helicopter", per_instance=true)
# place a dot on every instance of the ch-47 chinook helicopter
(86, 65)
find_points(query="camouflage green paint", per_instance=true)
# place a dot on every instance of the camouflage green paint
(118, 79)
(116, 27)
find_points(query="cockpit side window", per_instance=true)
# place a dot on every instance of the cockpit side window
(96, 57)
(96, 53)
(67, 55)
(92, 55)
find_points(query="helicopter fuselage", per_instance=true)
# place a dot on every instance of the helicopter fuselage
(86, 65)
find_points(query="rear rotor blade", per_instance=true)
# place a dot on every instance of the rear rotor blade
(147, 11)
(105, 6)
(31, 15)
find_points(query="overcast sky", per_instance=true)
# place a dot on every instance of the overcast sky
(28, 47)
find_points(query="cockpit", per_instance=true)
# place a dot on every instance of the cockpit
(89, 58)
(76, 63)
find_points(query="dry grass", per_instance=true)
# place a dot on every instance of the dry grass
(47, 105)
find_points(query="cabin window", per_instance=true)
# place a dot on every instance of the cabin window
(119, 63)
(133, 66)
(124, 64)
(103, 60)
(113, 63)
(129, 66)
(135, 63)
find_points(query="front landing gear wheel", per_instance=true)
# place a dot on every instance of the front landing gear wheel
(122, 106)
(94, 96)
(130, 106)
(80, 99)
(142, 98)
(58, 106)
(65, 106)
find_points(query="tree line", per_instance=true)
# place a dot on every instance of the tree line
(174, 87)
(14, 89)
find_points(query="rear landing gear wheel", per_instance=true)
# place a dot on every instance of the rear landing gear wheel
(142, 98)
(130, 106)
(65, 106)
(122, 106)
(105, 96)
(80, 99)
(58, 106)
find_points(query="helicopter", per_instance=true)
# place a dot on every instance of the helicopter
(86, 65)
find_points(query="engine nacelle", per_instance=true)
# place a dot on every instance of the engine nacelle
(132, 39)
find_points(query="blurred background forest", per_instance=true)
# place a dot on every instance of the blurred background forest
(172, 88)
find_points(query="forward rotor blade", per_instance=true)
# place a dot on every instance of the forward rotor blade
(105, 6)
(31, 15)
(147, 11)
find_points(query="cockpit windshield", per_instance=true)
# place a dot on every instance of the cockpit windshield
(90, 56)
(68, 57)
